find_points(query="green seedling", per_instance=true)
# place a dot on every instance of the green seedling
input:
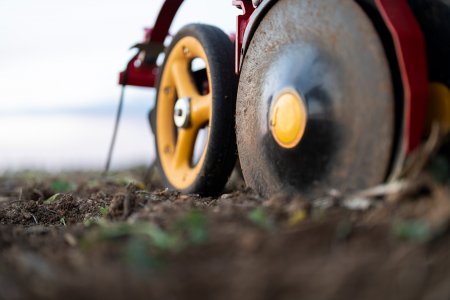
(89, 221)
(259, 217)
(126, 180)
(190, 229)
(92, 220)
(104, 211)
(93, 183)
(53, 198)
(414, 230)
(147, 242)
(158, 237)
(138, 255)
(194, 225)
(62, 186)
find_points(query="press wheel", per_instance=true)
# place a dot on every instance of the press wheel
(315, 104)
(192, 101)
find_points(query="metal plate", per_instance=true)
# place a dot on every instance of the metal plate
(329, 52)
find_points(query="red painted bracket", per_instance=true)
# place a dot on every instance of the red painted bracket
(410, 49)
(241, 24)
(137, 74)
(145, 75)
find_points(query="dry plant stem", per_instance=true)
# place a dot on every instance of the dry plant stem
(417, 161)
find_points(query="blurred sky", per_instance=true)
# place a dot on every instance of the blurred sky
(59, 62)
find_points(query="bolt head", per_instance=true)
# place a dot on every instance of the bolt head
(182, 112)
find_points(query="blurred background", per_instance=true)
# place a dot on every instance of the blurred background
(59, 65)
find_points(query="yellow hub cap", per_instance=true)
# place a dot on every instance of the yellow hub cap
(288, 119)
(439, 106)
(176, 145)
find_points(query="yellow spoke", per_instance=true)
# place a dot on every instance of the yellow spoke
(201, 110)
(184, 147)
(183, 80)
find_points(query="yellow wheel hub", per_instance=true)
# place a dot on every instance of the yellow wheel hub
(288, 119)
(176, 143)
(439, 106)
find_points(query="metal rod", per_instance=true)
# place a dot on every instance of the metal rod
(116, 128)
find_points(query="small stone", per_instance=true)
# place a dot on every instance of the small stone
(357, 203)
(70, 239)
(324, 203)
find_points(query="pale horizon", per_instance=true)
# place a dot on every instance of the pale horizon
(62, 59)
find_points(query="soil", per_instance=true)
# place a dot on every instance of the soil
(84, 236)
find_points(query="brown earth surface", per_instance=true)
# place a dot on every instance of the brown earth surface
(83, 236)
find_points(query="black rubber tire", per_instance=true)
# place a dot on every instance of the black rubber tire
(221, 152)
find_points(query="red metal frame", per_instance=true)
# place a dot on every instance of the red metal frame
(145, 75)
(410, 49)
(405, 31)
(241, 25)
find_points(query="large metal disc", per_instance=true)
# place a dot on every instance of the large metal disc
(329, 53)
